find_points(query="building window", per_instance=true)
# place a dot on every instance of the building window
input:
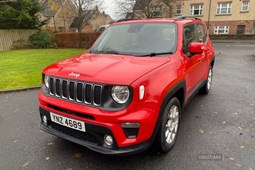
(245, 7)
(178, 10)
(196, 9)
(224, 8)
(221, 29)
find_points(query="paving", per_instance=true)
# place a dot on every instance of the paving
(217, 131)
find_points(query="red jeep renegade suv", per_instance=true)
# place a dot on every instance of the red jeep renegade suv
(129, 89)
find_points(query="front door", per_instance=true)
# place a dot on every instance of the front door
(194, 71)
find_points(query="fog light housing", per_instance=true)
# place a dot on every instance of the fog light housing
(44, 119)
(130, 129)
(108, 140)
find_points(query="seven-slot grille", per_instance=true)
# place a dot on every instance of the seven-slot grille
(80, 92)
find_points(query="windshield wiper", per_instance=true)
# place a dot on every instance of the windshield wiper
(155, 54)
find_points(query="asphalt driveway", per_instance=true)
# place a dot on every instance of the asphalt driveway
(217, 131)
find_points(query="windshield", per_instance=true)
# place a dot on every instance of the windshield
(138, 39)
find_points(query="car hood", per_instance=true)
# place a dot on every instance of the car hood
(105, 68)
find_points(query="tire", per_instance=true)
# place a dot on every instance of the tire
(168, 128)
(207, 87)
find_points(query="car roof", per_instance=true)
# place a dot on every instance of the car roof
(104, 25)
(183, 20)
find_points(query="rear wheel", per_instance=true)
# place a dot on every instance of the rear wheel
(169, 123)
(207, 87)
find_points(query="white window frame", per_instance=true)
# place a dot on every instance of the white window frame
(198, 7)
(178, 10)
(221, 30)
(221, 7)
(245, 6)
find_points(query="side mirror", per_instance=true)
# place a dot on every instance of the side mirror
(196, 47)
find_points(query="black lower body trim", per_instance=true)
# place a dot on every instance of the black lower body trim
(93, 138)
(195, 91)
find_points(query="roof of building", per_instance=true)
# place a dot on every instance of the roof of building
(47, 12)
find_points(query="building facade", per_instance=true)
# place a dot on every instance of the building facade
(221, 16)
(61, 17)
(94, 21)
(64, 17)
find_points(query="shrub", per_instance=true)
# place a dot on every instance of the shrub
(42, 39)
(21, 44)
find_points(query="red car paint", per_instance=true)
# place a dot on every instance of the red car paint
(157, 74)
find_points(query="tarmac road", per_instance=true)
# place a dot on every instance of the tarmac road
(217, 131)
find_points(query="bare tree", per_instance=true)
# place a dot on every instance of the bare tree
(83, 10)
(152, 8)
(124, 7)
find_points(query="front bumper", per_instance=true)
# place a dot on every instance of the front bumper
(93, 138)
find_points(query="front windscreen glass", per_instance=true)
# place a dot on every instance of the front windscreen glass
(138, 39)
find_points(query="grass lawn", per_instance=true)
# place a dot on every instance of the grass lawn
(23, 68)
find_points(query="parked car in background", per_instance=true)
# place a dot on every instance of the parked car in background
(102, 28)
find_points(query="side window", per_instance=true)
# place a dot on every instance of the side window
(189, 35)
(201, 33)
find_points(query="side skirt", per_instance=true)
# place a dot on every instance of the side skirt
(194, 93)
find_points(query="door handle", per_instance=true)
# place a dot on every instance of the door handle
(200, 59)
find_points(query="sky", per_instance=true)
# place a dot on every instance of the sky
(110, 8)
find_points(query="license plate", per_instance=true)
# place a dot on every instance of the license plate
(68, 122)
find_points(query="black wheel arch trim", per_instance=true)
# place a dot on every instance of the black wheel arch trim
(212, 61)
(167, 97)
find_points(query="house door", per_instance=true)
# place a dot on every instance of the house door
(240, 29)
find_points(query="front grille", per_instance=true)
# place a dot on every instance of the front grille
(74, 133)
(86, 116)
(80, 92)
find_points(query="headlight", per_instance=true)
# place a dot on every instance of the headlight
(120, 94)
(46, 81)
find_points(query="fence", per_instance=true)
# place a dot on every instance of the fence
(75, 40)
(233, 37)
(7, 37)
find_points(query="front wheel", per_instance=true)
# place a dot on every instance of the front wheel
(169, 123)
(207, 87)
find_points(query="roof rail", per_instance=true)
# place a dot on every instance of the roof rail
(126, 19)
(186, 17)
